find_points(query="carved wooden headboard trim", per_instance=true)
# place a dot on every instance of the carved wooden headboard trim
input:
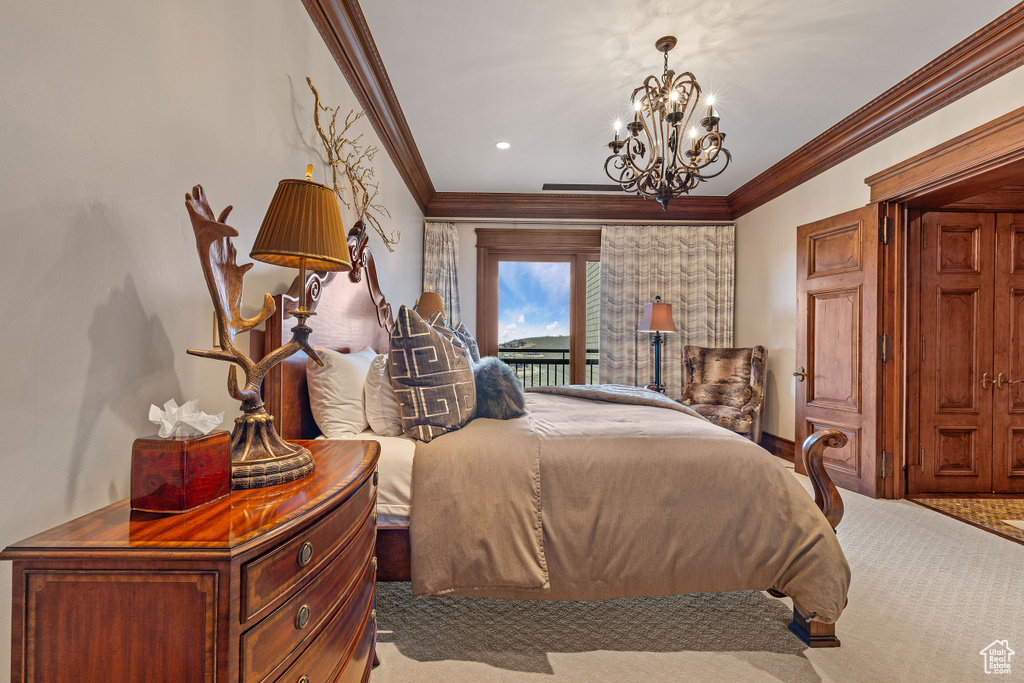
(352, 313)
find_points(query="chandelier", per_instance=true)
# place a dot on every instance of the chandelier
(664, 155)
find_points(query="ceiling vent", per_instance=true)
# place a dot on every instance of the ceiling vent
(581, 187)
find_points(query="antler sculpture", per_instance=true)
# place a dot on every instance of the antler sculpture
(259, 456)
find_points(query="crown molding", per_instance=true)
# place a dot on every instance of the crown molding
(990, 52)
(987, 157)
(343, 27)
(596, 207)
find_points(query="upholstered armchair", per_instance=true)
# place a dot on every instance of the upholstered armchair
(726, 386)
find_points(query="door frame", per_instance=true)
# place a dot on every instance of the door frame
(986, 158)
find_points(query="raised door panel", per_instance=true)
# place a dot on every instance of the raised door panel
(959, 248)
(956, 451)
(846, 459)
(835, 251)
(1008, 353)
(956, 396)
(833, 379)
(837, 331)
(956, 362)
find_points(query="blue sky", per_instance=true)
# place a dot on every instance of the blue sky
(533, 299)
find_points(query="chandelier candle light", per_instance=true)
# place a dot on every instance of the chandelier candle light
(664, 155)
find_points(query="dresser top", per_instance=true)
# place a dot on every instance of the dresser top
(227, 524)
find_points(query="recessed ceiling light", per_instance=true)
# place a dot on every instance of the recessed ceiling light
(502, 145)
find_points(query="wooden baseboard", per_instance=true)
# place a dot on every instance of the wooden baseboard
(776, 445)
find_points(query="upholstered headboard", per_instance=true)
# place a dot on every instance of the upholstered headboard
(351, 313)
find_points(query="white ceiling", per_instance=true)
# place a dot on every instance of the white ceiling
(550, 76)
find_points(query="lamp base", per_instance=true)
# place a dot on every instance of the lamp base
(260, 457)
(272, 471)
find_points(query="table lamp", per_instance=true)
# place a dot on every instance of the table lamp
(302, 229)
(429, 303)
(657, 319)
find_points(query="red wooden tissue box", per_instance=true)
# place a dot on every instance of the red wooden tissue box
(180, 473)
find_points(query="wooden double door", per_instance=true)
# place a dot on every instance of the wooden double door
(971, 357)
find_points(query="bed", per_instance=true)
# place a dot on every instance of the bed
(636, 500)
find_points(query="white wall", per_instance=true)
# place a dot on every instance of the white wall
(766, 237)
(110, 112)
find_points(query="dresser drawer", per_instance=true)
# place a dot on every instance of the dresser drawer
(269, 642)
(347, 638)
(268, 577)
(358, 663)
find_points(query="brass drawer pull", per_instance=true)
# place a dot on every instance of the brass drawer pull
(373, 563)
(373, 616)
(305, 554)
(375, 519)
(302, 618)
(304, 679)
(375, 477)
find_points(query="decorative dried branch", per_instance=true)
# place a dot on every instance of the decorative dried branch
(352, 161)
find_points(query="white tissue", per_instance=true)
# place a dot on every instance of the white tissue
(186, 420)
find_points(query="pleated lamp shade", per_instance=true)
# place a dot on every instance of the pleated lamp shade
(657, 317)
(303, 221)
(428, 303)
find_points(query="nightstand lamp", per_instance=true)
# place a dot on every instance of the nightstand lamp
(429, 303)
(302, 229)
(657, 319)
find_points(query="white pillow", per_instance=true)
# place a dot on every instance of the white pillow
(336, 391)
(380, 402)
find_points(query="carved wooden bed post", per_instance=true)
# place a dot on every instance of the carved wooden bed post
(826, 497)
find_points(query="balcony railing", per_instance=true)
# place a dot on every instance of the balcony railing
(546, 367)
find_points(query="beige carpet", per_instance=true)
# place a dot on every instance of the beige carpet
(928, 594)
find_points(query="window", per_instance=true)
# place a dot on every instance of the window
(538, 302)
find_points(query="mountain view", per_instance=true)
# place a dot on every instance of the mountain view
(533, 300)
(527, 344)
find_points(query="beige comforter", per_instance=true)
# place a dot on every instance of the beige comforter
(582, 500)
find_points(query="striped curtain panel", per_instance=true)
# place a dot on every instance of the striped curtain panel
(441, 266)
(688, 266)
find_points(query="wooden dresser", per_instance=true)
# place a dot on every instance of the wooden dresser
(273, 584)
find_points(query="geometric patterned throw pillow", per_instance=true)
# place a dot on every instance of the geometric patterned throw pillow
(467, 338)
(457, 334)
(438, 322)
(432, 376)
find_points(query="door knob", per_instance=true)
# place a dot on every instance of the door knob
(985, 381)
(1001, 381)
(800, 374)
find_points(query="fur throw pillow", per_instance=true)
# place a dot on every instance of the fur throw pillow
(498, 391)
